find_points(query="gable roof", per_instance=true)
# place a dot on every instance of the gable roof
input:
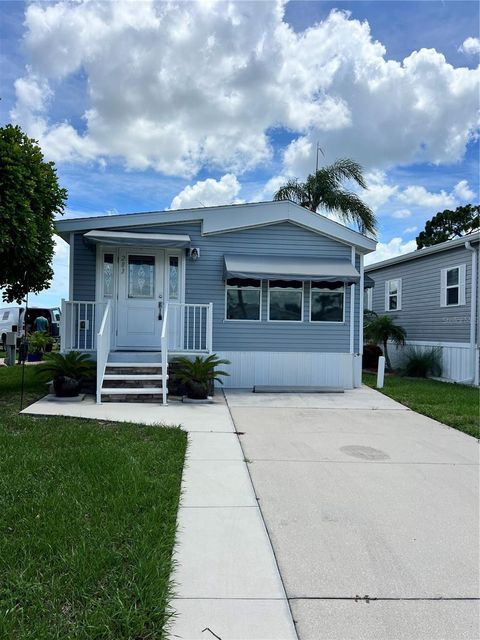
(223, 219)
(420, 253)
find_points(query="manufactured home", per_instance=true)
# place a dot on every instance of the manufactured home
(433, 294)
(271, 287)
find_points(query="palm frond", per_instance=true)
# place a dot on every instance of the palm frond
(352, 209)
(347, 169)
(292, 190)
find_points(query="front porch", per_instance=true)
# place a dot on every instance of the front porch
(92, 327)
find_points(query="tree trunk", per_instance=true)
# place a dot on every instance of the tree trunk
(387, 357)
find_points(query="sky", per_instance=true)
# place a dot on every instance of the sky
(147, 105)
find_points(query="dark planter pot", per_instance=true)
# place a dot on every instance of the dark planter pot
(66, 387)
(34, 357)
(196, 390)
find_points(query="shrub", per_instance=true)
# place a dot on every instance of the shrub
(371, 353)
(197, 375)
(421, 363)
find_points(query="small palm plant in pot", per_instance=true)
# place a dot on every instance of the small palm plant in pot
(68, 372)
(199, 374)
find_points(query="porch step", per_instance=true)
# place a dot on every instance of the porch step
(113, 391)
(133, 376)
(132, 365)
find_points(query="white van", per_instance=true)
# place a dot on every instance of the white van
(14, 319)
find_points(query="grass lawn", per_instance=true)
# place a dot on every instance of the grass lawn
(454, 404)
(87, 525)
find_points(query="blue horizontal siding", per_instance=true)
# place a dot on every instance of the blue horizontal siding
(204, 283)
(421, 314)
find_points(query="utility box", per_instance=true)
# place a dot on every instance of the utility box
(11, 347)
(11, 339)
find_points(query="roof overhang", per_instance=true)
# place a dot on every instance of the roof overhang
(473, 238)
(224, 219)
(131, 239)
(289, 268)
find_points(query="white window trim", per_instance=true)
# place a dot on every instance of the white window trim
(369, 305)
(286, 289)
(388, 294)
(259, 289)
(461, 286)
(337, 322)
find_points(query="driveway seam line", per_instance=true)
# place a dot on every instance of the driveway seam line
(262, 517)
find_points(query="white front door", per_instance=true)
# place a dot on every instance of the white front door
(140, 298)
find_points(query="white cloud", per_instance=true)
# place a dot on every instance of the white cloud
(209, 193)
(269, 189)
(401, 213)
(180, 86)
(410, 230)
(419, 196)
(463, 191)
(470, 46)
(379, 192)
(395, 247)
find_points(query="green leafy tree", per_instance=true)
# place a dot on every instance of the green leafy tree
(381, 329)
(324, 189)
(30, 198)
(448, 224)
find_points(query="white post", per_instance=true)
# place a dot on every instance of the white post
(210, 327)
(62, 326)
(381, 372)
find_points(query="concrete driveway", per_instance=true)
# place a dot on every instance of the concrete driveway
(373, 512)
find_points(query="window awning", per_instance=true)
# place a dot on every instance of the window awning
(126, 238)
(290, 268)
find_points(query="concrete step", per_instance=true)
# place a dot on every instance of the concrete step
(113, 391)
(133, 365)
(133, 376)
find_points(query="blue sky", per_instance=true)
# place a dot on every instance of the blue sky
(145, 105)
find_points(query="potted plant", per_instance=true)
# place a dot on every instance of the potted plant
(198, 375)
(37, 344)
(68, 371)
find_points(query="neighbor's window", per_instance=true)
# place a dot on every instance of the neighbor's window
(368, 299)
(285, 300)
(453, 286)
(393, 294)
(108, 275)
(5, 315)
(326, 302)
(243, 298)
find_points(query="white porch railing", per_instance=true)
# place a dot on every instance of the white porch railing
(164, 347)
(190, 327)
(79, 325)
(103, 348)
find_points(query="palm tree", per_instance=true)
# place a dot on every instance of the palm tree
(324, 188)
(381, 329)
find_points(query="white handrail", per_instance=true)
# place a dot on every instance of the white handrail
(103, 349)
(164, 346)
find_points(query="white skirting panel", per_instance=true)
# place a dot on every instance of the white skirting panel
(456, 358)
(250, 368)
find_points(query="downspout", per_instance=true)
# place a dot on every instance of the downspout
(473, 314)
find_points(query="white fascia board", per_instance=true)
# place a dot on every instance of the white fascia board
(216, 220)
(419, 253)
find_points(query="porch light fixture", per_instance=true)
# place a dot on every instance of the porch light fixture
(194, 254)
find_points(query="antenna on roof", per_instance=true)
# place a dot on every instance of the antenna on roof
(319, 148)
(200, 202)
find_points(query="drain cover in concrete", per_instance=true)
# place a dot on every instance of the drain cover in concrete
(365, 453)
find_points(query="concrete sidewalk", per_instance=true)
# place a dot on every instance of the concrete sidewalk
(227, 583)
(364, 497)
